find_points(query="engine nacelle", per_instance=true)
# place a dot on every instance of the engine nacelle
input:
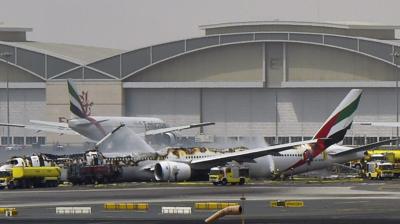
(169, 138)
(172, 171)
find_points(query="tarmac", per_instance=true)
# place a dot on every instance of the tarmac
(340, 201)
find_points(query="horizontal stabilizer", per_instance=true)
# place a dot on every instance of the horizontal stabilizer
(364, 147)
(49, 123)
(83, 122)
(12, 125)
(51, 127)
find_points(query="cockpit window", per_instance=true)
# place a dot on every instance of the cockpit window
(13, 162)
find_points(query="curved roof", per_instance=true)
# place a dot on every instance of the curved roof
(144, 58)
(58, 61)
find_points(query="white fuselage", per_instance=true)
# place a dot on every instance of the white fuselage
(96, 127)
(265, 166)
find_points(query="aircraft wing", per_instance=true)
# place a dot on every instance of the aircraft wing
(246, 155)
(364, 147)
(178, 128)
(379, 124)
(52, 127)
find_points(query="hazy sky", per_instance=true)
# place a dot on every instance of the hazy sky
(130, 24)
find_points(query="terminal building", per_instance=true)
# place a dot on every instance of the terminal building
(277, 80)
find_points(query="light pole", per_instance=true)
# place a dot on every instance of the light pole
(395, 55)
(6, 56)
(397, 103)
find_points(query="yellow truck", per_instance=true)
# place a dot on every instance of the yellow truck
(379, 170)
(27, 177)
(388, 156)
(222, 175)
(391, 155)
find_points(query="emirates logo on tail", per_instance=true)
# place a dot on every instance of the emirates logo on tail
(79, 104)
(86, 105)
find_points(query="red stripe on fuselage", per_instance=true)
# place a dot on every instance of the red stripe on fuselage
(316, 149)
(320, 146)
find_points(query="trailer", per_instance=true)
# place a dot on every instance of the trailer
(79, 174)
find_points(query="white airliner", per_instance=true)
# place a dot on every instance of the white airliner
(286, 159)
(179, 164)
(96, 127)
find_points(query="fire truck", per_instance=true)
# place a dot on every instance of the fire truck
(231, 174)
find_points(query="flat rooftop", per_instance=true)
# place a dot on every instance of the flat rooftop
(337, 24)
(76, 53)
(348, 28)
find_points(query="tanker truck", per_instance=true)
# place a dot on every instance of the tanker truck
(33, 171)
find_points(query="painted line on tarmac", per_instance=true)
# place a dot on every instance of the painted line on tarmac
(149, 188)
(100, 190)
(289, 190)
(225, 198)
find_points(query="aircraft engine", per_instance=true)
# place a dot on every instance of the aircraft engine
(172, 171)
(168, 138)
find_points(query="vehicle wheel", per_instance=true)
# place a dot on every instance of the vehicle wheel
(369, 176)
(215, 183)
(241, 181)
(11, 185)
(54, 183)
(224, 182)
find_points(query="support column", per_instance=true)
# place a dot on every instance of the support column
(201, 110)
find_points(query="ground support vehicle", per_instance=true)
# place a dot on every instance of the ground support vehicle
(379, 170)
(83, 174)
(27, 177)
(222, 175)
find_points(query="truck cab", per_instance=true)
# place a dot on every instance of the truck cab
(222, 175)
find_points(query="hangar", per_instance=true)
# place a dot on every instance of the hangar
(277, 79)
